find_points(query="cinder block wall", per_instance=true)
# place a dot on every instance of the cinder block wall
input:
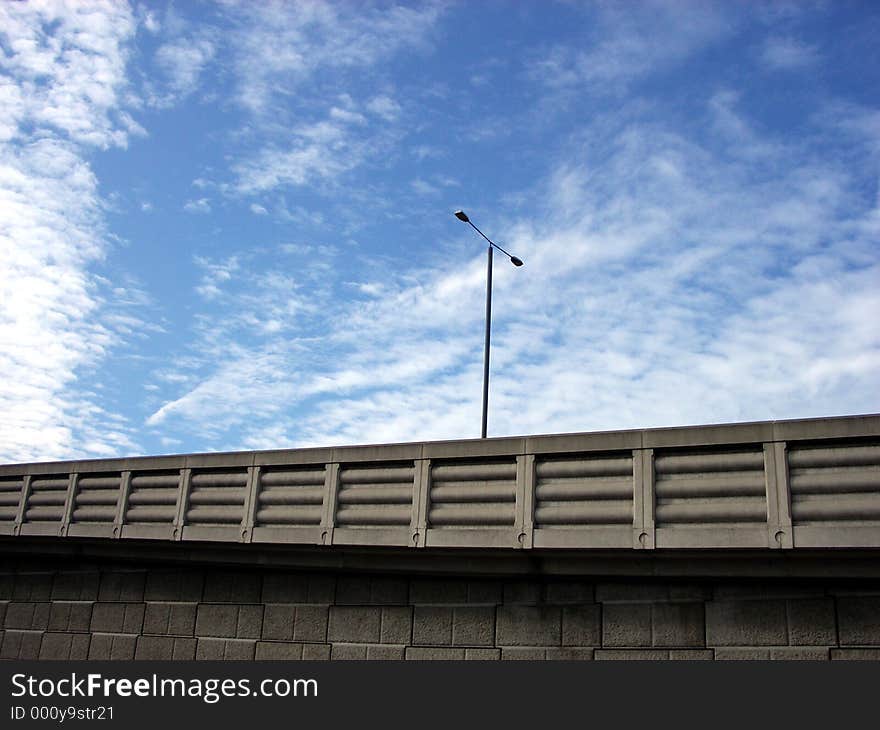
(77, 610)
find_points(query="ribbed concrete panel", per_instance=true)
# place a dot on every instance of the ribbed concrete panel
(584, 501)
(96, 498)
(472, 503)
(45, 506)
(290, 497)
(10, 499)
(152, 504)
(374, 504)
(835, 494)
(289, 504)
(812, 483)
(712, 498)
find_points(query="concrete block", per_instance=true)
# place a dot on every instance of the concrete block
(117, 618)
(473, 626)
(560, 592)
(70, 616)
(250, 622)
(224, 586)
(432, 625)
(630, 654)
(322, 588)
(21, 644)
(437, 591)
(389, 592)
(347, 652)
(366, 590)
(433, 653)
(165, 647)
(811, 622)
(217, 620)
(529, 626)
(581, 626)
(524, 592)
(859, 621)
(62, 645)
(766, 590)
(802, 653)
(678, 624)
(71, 586)
(385, 652)
(316, 652)
(485, 591)
(569, 654)
(746, 623)
(278, 620)
(482, 655)
(27, 616)
(286, 587)
(310, 624)
(122, 586)
(112, 646)
(183, 649)
(872, 655)
(397, 625)
(742, 654)
(275, 650)
(210, 649)
(355, 624)
(353, 590)
(691, 655)
(170, 619)
(176, 585)
(225, 649)
(36, 586)
(650, 592)
(626, 624)
(522, 653)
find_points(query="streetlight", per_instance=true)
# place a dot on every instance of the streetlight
(462, 216)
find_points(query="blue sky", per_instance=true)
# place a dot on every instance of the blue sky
(229, 225)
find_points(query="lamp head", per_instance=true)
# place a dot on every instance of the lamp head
(516, 261)
(462, 216)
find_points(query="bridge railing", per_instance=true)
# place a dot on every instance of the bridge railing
(771, 485)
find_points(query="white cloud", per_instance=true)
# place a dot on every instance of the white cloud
(319, 151)
(258, 209)
(216, 274)
(63, 78)
(200, 205)
(631, 41)
(385, 107)
(788, 54)
(667, 281)
(183, 61)
(278, 45)
(65, 69)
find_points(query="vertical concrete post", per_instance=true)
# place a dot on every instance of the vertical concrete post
(22, 504)
(182, 503)
(69, 502)
(421, 499)
(251, 499)
(331, 490)
(779, 527)
(525, 501)
(643, 499)
(122, 504)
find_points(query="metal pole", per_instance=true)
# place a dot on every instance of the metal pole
(486, 350)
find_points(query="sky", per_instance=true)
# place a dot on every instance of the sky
(229, 226)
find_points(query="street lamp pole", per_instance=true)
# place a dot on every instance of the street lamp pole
(462, 216)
